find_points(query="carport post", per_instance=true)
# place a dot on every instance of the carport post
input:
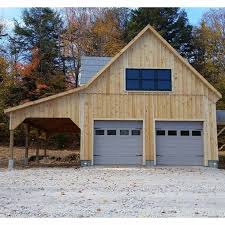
(45, 145)
(11, 144)
(45, 150)
(37, 151)
(26, 127)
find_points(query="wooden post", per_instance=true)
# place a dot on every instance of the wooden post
(37, 151)
(45, 145)
(11, 145)
(26, 127)
(45, 149)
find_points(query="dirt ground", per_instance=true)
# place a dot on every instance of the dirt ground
(113, 192)
(57, 158)
(54, 157)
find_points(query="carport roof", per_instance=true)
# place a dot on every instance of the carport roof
(53, 125)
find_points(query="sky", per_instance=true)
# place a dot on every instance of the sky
(8, 14)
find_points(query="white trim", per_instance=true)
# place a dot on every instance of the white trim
(122, 119)
(140, 91)
(179, 120)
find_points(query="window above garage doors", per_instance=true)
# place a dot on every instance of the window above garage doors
(148, 79)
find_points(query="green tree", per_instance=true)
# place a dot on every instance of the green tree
(36, 47)
(171, 23)
(5, 82)
(209, 40)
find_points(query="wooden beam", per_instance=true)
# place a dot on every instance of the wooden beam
(37, 151)
(45, 149)
(26, 128)
(221, 131)
(38, 147)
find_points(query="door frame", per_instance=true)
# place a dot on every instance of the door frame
(122, 119)
(181, 120)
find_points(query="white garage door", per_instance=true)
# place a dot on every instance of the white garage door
(118, 142)
(179, 143)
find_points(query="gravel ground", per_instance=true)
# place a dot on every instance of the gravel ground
(112, 192)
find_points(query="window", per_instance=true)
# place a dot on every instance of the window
(124, 132)
(172, 133)
(160, 133)
(111, 132)
(148, 79)
(99, 132)
(196, 133)
(136, 132)
(184, 133)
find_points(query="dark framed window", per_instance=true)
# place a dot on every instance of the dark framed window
(148, 80)
(111, 132)
(184, 133)
(160, 132)
(196, 133)
(124, 132)
(99, 132)
(136, 132)
(172, 133)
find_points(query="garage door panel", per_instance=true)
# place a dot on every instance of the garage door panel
(179, 150)
(118, 149)
(179, 125)
(118, 160)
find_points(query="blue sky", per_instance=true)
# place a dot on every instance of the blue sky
(194, 14)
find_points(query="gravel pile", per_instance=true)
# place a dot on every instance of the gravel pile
(112, 192)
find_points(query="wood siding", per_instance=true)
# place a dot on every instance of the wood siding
(105, 98)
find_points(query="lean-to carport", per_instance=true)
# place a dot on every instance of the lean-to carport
(55, 114)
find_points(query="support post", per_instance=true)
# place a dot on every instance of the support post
(45, 150)
(45, 145)
(37, 151)
(11, 145)
(26, 127)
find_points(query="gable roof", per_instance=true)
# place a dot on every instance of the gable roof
(147, 28)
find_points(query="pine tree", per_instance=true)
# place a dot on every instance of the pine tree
(36, 47)
(171, 23)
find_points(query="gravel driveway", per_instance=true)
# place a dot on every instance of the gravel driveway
(112, 192)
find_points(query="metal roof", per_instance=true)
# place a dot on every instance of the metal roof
(91, 65)
(220, 117)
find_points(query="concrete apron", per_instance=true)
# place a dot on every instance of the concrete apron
(149, 163)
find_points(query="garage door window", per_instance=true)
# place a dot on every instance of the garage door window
(111, 132)
(184, 133)
(99, 132)
(172, 133)
(196, 133)
(124, 132)
(160, 132)
(136, 132)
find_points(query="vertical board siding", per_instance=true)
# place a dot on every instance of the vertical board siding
(186, 102)
(105, 98)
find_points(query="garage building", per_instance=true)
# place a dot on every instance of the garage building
(146, 106)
